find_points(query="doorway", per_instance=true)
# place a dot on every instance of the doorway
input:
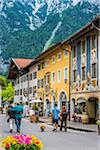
(62, 100)
(92, 109)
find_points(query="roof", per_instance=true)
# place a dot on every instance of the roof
(21, 62)
(17, 66)
(44, 54)
(88, 27)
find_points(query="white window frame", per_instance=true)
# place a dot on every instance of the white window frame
(58, 55)
(53, 62)
(64, 53)
(58, 76)
(47, 79)
(53, 81)
(64, 73)
(47, 63)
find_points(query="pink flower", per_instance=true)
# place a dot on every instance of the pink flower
(16, 137)
(20, 142)
(28, 142)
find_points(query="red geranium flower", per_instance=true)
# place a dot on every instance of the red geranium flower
(7, 146)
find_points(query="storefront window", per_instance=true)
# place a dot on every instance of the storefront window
(94, 70)
(80, 108)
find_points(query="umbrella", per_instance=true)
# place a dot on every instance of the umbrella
(35, 101)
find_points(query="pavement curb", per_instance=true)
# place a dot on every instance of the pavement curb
(69, 127)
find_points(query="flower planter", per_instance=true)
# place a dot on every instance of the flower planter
(19, 142)
(98, 125)
(98, 130)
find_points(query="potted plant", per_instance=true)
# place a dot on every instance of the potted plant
(98, 124)
(22, 142)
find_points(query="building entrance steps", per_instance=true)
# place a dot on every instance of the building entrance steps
(72, 125)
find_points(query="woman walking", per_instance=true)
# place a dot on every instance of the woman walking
(63, 118)
(11, 118)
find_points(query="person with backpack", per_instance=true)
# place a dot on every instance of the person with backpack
(11, 118)
(63, 118)
(55, 117)
(18, 109)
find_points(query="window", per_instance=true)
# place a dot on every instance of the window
(17, 92)
(34, 90)
(31, 76)
(30, 90)
(83, 46)
(18, 80)
(66, 73)
(47, 63)
(74, 52)
(34, 75)
(83, 73)
(53, 59)
(74, 75)
(41, 83)
(94, 70)
(53, 77)
(21, 80)
(20, 91)
(26, 77)
(65, 53)
(47, 79)
(59, 75)
(93, 41)
(59, 56)
(39, 67)
(42, 65)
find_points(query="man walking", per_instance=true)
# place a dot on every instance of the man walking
(55, 116)
(18, 109)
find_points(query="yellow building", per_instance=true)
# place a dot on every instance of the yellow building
(53, 76)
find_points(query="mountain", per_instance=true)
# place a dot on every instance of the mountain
(30, 14)
(28, 27)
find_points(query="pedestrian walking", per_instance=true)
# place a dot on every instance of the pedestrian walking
(55, 117)
(11, 119)
(26, 110)
(63, 118)
(18, 109)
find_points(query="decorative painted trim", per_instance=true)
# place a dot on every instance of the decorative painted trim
(74, 63)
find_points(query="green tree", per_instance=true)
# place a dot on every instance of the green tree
(8, 93)
(3, 82)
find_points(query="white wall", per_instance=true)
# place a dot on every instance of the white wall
(32, 82)
(19, 86)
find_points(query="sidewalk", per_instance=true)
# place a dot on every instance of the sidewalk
(73, 125)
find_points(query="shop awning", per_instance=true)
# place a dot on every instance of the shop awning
(35, 101)
(81, 101)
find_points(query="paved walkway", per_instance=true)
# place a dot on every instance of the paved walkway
(73, 125)
(70, 140)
